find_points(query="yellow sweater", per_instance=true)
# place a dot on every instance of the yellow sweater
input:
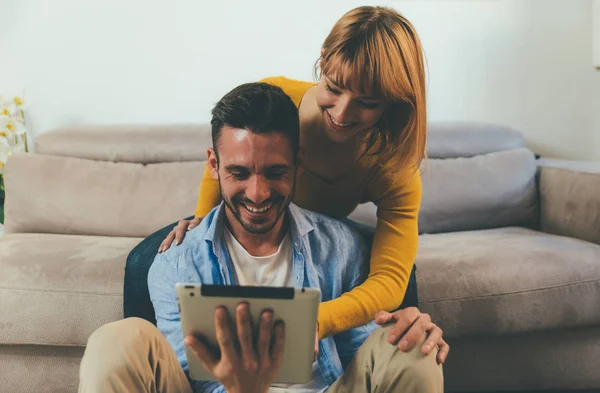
(397, 194)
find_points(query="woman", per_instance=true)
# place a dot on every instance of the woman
(362, 130)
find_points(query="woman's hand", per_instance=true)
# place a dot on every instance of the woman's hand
(410, 326)
(178, 233)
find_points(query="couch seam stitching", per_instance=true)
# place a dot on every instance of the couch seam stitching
(511, 293)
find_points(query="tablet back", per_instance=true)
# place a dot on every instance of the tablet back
(297, 307)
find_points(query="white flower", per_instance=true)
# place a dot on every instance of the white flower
(11, 127)
(12, 106)
(5, 151)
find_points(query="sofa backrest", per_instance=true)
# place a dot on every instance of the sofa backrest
(477, 176)
(135, 143)
(65, 195)
(132, 180)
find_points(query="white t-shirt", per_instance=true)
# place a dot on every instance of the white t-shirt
(274, 270)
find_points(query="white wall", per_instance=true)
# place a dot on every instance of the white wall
(525, 63)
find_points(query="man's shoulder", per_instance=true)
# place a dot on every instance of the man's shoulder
(193, 243)
(328, 227)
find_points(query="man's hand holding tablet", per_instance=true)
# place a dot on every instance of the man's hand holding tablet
(246, 363)
(249, 337)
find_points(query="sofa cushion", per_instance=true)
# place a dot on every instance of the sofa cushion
(58, 289)
(508, 280)
(86, 197)
(487, 191)
(468, 139)
(138, 143)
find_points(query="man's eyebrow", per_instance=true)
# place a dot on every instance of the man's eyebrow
(279, 167)
(235, 168)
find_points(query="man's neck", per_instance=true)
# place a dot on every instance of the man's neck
(258, 244)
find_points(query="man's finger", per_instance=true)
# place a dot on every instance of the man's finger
(202, 353)
(435, 335)
(224, 335)
(264, 338)
(244, 331)
(443, 352)
(404, 319)
(278, 344)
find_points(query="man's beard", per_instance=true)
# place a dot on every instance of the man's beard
(278, 202)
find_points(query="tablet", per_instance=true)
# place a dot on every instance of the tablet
(297, 307)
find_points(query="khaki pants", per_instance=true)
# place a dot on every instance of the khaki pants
(132, 355)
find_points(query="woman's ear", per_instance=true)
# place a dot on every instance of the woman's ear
(213, 162)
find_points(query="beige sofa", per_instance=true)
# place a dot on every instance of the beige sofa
(508, 266)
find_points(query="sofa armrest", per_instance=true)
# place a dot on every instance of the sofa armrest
(570, 198)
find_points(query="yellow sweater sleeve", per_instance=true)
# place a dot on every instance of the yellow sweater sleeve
(398, 200)
(209, 195)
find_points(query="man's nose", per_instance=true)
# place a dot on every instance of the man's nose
(258, 189)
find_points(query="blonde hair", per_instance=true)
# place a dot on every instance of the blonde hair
(383, 49)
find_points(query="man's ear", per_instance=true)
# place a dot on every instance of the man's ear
(213, 162)
(299, 161)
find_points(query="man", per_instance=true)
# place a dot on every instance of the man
(256, 236)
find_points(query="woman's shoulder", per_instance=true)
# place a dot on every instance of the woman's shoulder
(293, 87)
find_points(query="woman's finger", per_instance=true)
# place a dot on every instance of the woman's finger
(195, 222)
(415, 333)
(180, 230)
(164, 246)
(403, 319)
(383, 317)
(434, 338)
(443, 351)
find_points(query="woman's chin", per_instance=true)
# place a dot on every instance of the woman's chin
(341, 136)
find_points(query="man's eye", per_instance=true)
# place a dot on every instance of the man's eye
(276, 175)
(239, 175)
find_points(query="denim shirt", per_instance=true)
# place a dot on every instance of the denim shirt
(327, 254)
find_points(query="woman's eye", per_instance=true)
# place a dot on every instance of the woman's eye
(334, 91)
(369, 105)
